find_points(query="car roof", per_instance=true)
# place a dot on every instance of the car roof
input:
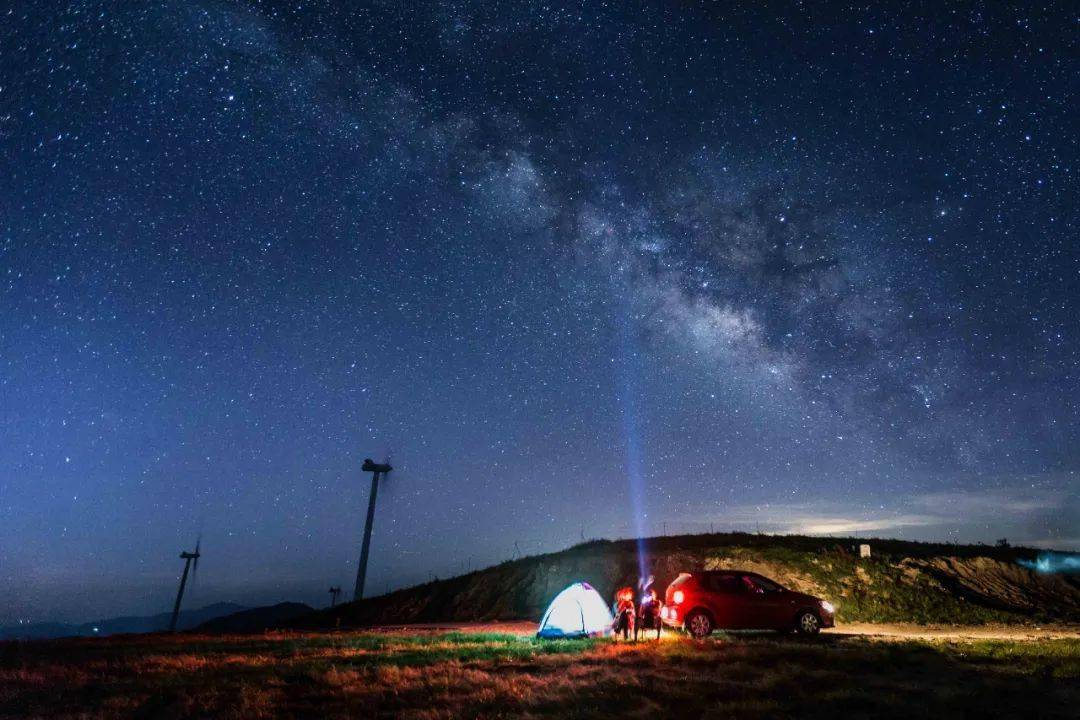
(728, 573)
(725, 572)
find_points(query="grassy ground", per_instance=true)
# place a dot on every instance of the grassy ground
(442, 675)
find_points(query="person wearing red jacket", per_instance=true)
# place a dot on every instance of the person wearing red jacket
(625, 613)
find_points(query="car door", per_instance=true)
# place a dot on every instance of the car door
(766, 603)
(728, 596)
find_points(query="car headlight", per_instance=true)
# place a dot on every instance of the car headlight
(828, 607)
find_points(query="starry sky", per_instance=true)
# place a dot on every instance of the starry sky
(579, 269)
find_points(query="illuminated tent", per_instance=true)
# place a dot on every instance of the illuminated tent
(578, 611)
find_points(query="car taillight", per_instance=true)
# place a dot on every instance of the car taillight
(678, 596)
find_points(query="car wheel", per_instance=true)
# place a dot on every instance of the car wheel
(808, 623)
(699, 625)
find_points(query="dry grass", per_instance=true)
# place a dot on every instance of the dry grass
(449, 675)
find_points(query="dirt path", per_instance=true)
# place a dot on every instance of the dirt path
(953, 632)
(896, 631)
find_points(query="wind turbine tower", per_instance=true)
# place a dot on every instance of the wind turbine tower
(376, 470)
(187, 557)
(334, 593)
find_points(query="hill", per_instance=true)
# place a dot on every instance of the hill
(256, 619)
(112, 626)
(901, 582)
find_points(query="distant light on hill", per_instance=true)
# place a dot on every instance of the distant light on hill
(1053, 563)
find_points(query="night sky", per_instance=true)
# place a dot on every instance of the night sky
(580, 270)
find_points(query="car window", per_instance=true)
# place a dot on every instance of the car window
(728, 584)
(758, 584)
(750, 586)
(766, 584)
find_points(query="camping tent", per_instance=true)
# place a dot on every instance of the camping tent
(578, 611)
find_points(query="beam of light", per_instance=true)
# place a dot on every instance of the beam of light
(630, 384)
(1049, 562)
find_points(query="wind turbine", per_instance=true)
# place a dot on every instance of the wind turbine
(187, 557)
(334, 593)
(376, 470)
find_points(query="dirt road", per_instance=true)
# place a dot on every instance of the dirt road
(954, 632)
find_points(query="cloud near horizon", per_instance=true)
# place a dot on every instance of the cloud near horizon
(959, 515)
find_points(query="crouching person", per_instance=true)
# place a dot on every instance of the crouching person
(625, 614)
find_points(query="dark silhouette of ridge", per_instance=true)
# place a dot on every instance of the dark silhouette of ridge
(187, 620)
(257, 620)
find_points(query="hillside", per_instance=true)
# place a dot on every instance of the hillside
(902, 581)
(256, 619)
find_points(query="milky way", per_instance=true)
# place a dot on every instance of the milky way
(580, 270)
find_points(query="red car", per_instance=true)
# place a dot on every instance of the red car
(701, 602)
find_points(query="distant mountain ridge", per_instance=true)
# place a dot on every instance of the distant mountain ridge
(188, 620)
(255, 620)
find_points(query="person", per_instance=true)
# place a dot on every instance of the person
(625, 614)
(649, 610)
